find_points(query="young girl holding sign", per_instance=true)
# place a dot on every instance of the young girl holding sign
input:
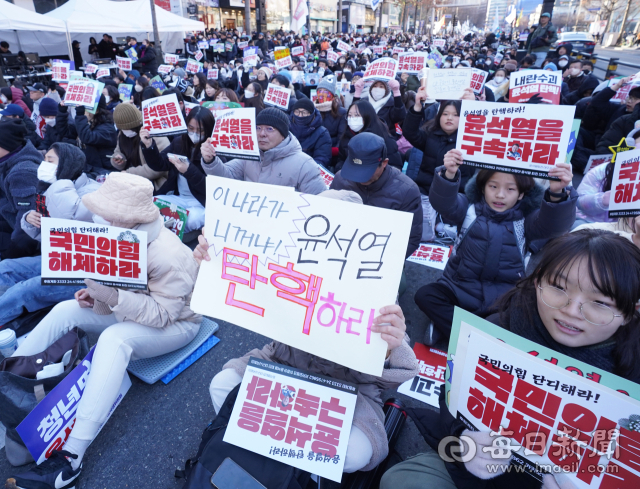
(497, 219)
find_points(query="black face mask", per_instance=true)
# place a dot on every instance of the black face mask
(303, 121)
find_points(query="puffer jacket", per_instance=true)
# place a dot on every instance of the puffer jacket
(368, 416)
(16, 98)
(313, 138)
(172, 273)
(601, 112)
(591, 207)
(391, 112)
(63, 200)
(147, 61)
(489, 258)
(156, 177)
(619, 129)
(393, 190)
(284, 165)
(335, 125)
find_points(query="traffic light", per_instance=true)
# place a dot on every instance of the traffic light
(455, 21)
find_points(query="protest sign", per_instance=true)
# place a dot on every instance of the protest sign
(157, 83)
(124, 89)
(162, 116)
(397, 51)
(478, 79)
(75, 75)
(311, 78)
(378, 49)
(40, 125)
(338, 289)
(102, 72)
(573, 138)
(623, 92)
(250, 60)
(426, 385)
(343, 46)
(411, 63)
(188, 106)
(132, 54)
(234, 134)
(123, 63)
(517, 138)
(314, 95)
(198, 55)
(243, 44)
(299, 418)
(228, 46)
(165, 69)
(332, 56)
(75, 250)
(203, 45)
(383, 69)
(90, 69)
(193, 66)
(524, 35)
(47, 427)
(297, 50)
(218, 48)
(281, 52)
(85, 93)
(596, 160)
(434, 59)
(249, 51)
(498, 59)
(213, 42)
(326, 175)
(446, 84)
(171, 59)
(297, 76)
(626, 185)
(277, 96)
(216, 107)
(170, 211)
(212, 74)
(282, 63)
(439, 43)
(525, 84)
(60, 71)
(432, 255)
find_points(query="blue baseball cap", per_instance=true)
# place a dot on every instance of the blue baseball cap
(12, 110)
(365, 153)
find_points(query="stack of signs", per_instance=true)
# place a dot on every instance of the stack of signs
(439, 43)
(123, 63)
(297, 50)
(426, 385)
(90, 69)
(170, 211)
(73, 251)
(60, 71)
(102, 72)
(331, 309)
(165, 69)
(625, 187)
(277, 96)
(243, 44)
(378, 50)
(295, 417)
(343, 46)
(446, 84)
(212, 74)
(85, 93)
(411, 63)
(124, 89)
(203, 44)
(283, 58)
(383, 69)
(193, 66)
(326, 175)
(623, 92)
(525, 84)
(332, 56)
(162, 116)
(549, 412)
(198, 55)
(132, 53)
(171, 59)
(234, 134)
(432, 255)
(528, 139)
(478, 79)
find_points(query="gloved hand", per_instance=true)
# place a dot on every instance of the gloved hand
(103, 297)
(359, 86)
(478, 464)
(536, 99)
(80, 110)
(62, 108)
(394, 86)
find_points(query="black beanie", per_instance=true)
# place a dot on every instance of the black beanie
(12, 134)
(305, 104)
(275, 118)
(6, 91)
(71, 161)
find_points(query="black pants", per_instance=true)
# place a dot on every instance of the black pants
(437, 301)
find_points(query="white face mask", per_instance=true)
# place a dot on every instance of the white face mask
(347, 70)
(575, 71)
(129, 133)
(47, 172)
(98, 220)
(499, 79)
(195, 137)
(377, 93)
(249, 94)
(562, 63)
(138, 88)
(355, 123)
(447, 65)
(50, 122)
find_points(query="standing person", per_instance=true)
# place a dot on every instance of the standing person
(37, 93)
(132, 324)
(93, 50)
(77, 55)
(542, 38)
(105, 49)
(147, 62)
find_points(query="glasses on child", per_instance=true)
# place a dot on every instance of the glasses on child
(592, 312)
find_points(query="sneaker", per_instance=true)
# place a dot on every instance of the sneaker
(53, 473)
(431, 335)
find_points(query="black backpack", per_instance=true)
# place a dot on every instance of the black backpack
(212, 452)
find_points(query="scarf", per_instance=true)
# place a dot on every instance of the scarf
(378, 104)
(324, 106)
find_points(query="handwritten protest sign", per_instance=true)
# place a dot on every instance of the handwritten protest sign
(297, 50)
(85, 93)
(212, 74)
(411, 63)
(446, 84)
(47, 427)
(625, 187)
(525, 84)
(234, 134)
(124, 89)
(439, 43)
(60, 71)
(170, 211)
(123, 63)
(338, 289)
(277, 96)
(74, 250)
(193, 66)
(162, 116)
(132, 53)
(90, 69)
(518, 138)
(165, 69)
(426, 385)
(432, 255)
(478, 79)
(171, 59)
(383, 69)
(343, 46)
(326, 175)
(295, 417)
(198, 55)
(102, 72)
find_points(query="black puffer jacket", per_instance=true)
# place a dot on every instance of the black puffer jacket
(148, 61)
(314, 138)
(619, 129)
(335, 125)
(390, 113)
(488, 260)
(601, 112)
(393, 190)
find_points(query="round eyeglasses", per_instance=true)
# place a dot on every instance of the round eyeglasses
(592, 312)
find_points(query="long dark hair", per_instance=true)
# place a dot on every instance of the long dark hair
(202, 83)
(205, 121)
(608, 177)
(137, 96)
(102, 116)
(614, 270)
(434, 123)
(130, 147)
(256, 101)
(372, 122)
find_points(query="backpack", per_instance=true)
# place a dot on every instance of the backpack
(212, 452)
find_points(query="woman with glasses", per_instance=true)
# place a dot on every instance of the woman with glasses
(306, 126)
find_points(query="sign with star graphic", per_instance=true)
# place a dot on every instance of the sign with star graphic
(620, 148)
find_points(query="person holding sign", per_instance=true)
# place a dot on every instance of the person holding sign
(132, 324)
(501, 214)
(390, 109)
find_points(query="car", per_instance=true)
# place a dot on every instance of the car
(581, 41)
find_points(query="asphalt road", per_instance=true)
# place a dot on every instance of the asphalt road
(157, 427)
(625, 55)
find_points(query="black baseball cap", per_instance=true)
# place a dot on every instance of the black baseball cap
(366, 152)
(38, 87)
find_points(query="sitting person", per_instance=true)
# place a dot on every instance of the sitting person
(306, 126)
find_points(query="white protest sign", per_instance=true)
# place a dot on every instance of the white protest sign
(294, 417)
(326, 175)
(162, 116)
(332, 56)
(102, 72)
(234, 134)
(90, 69)
(267, 275)
(165, 69)
(426, 385)
(85, 93)
(74, 250)
(277, 96)
(282, 63)
(198, 55)
(203, 44)
(411, 63)
(625, 187)
(432, 255)
(378, 49)
(123, 63)
(447, 84)
(525, 84)
(343, 46)
(60, 72)
(243, 44)
(623, 92)
(597, 160)
(212, 74)
(397, 50)
(193, 66)
(498, 58)
(518, 138)
(383, 69)
(297, 50)
(439, 43)
(171, 59)
(478, 79)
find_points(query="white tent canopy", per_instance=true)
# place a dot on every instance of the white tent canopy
(14, 18)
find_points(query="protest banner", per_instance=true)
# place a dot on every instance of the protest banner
(548, 418)
(171, 59)
(212, 74)
(60, 71)
(596, 160)
(124, 89)
(85, 93)
(90, 69)
(525, 84)
(198, 55)
(426, 385)
(162, 116)
(283, 63)
(47, 427)
(343, 46)
(439, 43)
(432, 255)
(528, 139)
(478, 79)
(123, 63)
(75, 250)
(234, 134)
(203, 45)
(243, 44)
(193, 66)
(311, 79)
(332, 56)
(173, 211)
(626, 185)
(326, 175)
(102, 72)
(623, 92)
(446, 84)
(165, 69)
(277, 96)
(157, 83)
(132, 54)
(383, 69)
(299, 418)
(378, 50)
(297, 50)
(338, 289)
(411, 63)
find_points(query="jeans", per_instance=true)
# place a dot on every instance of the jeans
(539, 57)
(20, 282)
